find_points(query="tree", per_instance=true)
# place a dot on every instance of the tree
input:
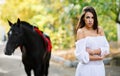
(107, 15)
(59, 18)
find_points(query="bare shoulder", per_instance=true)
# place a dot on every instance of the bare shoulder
(101, 31)
(80, 34)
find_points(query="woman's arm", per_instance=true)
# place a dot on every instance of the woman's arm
(80, 50)
(105, 49)
(94, 58)
(102, 50)
(93, 52)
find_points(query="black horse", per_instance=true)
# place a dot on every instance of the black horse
(35, 47)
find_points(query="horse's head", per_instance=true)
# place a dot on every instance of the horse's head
(14, 37)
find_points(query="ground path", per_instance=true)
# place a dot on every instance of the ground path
(12, 66)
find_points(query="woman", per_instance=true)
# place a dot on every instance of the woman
(91, 45)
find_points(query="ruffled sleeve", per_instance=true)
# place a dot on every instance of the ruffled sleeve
(80, 51)
(105, 47)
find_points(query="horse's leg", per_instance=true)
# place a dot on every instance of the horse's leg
(38, 71)
(27, 70)
(47, 64)
(46, 69)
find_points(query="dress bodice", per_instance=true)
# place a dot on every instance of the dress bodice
(95, 42)
(92, 43)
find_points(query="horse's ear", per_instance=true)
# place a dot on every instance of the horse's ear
(10, 23)
(18, 21)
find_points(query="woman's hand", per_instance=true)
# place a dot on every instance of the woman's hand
(93, 52)
(97, 51)
(94, 58)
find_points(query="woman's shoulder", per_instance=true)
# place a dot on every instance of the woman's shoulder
(100, 30)
(80, 34)
(80, 30)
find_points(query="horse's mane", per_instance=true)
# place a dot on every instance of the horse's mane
(30, 28)
(26, 24)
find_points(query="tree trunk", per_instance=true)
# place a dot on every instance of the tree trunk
(118, 33)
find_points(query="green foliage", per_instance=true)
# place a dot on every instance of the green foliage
(58, 18)
(107, 15)
(109, 27)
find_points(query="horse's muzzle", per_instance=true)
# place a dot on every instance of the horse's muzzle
(6, 52)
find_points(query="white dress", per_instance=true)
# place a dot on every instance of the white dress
(86, 67)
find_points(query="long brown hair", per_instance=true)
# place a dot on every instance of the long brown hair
(81, 22)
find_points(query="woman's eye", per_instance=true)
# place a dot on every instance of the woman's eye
(87, 17)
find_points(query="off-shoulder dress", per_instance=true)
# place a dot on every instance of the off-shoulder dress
(86, 67)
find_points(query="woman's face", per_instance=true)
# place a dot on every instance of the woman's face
(89, 19)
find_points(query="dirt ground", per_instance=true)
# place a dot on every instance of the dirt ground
(12, 65)
(111, 70)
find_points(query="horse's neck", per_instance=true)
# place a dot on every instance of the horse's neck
(32, 39)
(28, 31)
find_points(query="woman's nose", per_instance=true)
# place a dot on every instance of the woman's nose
(90, 20)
